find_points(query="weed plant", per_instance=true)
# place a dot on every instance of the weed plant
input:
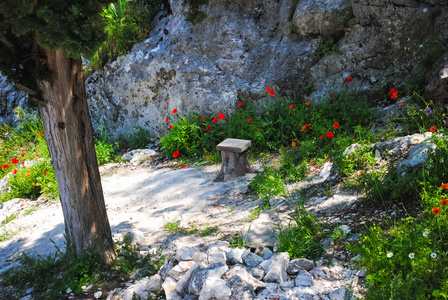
(302, 237)
(127, 22)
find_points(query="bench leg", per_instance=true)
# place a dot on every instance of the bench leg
(233, 165)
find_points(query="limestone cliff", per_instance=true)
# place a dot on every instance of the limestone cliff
(243, 46)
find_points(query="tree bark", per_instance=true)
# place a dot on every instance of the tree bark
(69, 136)
(233, 165)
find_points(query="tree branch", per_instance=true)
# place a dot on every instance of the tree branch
(25, 89)
(8, 44)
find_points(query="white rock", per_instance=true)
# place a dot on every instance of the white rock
(179, 270)
(97, 294)
(215, 288)
(169, 285)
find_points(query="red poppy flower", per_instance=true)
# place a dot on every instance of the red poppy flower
(5, 166)
(44, 172)
(14, 172)
(202, 118)
(215, 120)
(362, 173)
(23, 155)
(304, 127)
(27, 175)
(171, 126)
(308, 103)
(250, 120)
(240, 104)
(315, 167)
(174, 110)
(433, 128)
(208, 128)
(436, 210)
(330, 134)
(444, 202)
(291, 106)
(444, 186)
(268, 89)
(40, 133)
(393, 93)
(183, 166)
(176, 154)
(349, 79)
(221, 116)
(336, 125)
(14, 161)
(37, 155)
(166, 120)
(272, 93)
(401, 104)
(23, 163)
(331, 95)
(322, 136)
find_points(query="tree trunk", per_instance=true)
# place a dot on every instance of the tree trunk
(234, 164)
(69, 136)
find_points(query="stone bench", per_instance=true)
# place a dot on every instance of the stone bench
(234, 159)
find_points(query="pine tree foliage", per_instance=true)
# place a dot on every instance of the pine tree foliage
(27, 27)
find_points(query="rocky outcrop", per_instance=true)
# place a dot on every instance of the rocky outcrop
(244, 46)
(10, 98)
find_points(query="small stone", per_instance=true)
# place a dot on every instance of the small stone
(257, 273)
(327, 244)
(338, 294)
(68, 291)
(186, 253)
(267, 254)
(154, 283)
(298, 264)
(252, 259)
(169, 285)
(240, 271)
(167, 266)
(234, 256)
(182, 284)
(318, 273)
(240, 289)
(277, 269)
(97, 294)
(200, 275)
(215, 288)
(216, 253)
(30, 290)
(179, 270)
(361, 273)
(200, 257)
(304, 278)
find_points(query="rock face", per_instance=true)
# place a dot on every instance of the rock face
(244, 46)
(10, 98)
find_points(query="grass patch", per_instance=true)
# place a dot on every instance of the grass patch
(203, 229)
(302, 237)
(8, 219)
(63, 270)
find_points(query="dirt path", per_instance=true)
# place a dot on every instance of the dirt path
(141, 201)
